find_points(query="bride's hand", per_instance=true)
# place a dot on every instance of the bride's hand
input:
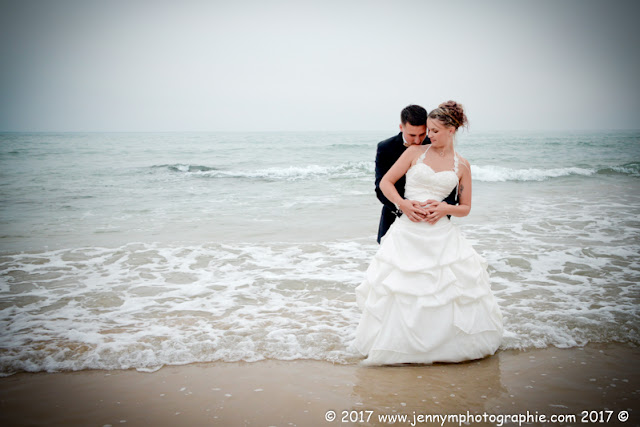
(413, 210)
(435, 210)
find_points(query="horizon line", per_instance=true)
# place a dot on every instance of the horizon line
(312, 131)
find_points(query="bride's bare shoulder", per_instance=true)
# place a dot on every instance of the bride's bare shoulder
(464, 162)
(415, 149)
(413, 152)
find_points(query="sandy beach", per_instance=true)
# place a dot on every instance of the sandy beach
(598, 378)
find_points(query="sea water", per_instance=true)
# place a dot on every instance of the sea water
(140, 250)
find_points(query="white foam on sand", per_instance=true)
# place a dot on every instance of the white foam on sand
(147, 305)
(144, 305)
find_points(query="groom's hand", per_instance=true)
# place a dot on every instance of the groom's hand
(413, 210)
(435, 210)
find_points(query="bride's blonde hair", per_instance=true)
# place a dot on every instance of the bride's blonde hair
(451, 114)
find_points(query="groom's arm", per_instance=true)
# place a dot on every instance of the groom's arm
(384, 161)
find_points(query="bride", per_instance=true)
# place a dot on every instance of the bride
(426, 296)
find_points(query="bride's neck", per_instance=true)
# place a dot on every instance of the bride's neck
(444, 151)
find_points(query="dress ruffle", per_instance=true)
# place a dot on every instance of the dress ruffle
(426, 298)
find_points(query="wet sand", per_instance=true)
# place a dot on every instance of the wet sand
(597, 378)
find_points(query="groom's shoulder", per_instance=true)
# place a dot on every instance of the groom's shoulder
(390, 142)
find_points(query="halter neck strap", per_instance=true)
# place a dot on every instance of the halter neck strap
(421, 158)
(455, 162)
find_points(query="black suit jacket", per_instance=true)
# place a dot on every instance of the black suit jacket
(388, 152)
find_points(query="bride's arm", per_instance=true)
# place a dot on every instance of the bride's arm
(439, 209)
(410, 208)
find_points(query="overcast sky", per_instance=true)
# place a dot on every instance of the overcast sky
(316, 65)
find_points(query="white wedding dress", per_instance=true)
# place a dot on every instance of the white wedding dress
(426, 297)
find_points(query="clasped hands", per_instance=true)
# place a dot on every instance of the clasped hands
(430, 211)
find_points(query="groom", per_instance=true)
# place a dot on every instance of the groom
(413, 131)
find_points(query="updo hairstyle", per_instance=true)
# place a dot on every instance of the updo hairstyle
(451, 114)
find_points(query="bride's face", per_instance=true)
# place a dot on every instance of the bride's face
(439, 134)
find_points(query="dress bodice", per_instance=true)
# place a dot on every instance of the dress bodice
(423, 183)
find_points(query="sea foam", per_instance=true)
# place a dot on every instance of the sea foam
(147, 305)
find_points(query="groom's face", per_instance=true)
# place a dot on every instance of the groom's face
(414, 135)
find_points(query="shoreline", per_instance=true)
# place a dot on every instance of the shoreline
(597, 377)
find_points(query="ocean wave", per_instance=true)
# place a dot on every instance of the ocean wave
(632, 169)
(484, 173)
(288, 173)
(185, 168)
(493, 173)
(501, 174)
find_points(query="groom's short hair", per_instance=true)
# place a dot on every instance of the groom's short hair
(415, 115)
